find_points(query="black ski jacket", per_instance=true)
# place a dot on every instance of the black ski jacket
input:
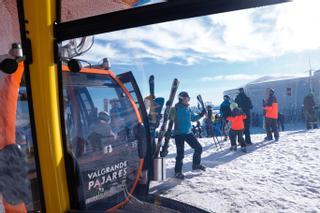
(244, 103)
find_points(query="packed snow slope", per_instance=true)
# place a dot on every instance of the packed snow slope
(273, 176)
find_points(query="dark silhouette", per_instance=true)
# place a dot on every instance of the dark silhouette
(245, 104)
(280, 121)
(225, 112)
(309, 107)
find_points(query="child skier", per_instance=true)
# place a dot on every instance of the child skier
(217, 125)
(182, 116)
(237, 127)
(208, 120)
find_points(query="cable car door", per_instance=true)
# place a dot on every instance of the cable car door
(130, 83)
(103, 139)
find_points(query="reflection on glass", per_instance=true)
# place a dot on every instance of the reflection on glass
(101, 136)
(76, 9)
(18, 178)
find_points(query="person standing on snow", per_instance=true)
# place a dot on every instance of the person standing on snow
(182, 116)
(245, 104)
(270, 107)
(280, 121)
(309, 111)
(208, 120)
(237, 126)
(225, 112)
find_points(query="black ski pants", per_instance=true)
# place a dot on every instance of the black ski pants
(193, 142)
(272, 126)
(233, 134)
(247, 122)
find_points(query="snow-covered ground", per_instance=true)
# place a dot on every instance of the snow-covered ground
(273, 176)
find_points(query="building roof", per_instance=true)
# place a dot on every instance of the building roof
(277, 78)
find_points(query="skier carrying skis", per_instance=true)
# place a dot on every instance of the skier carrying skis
(245, 104)
(182, 116)
(270, 107)
(237, 126)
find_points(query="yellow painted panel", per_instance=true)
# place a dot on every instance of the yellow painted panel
(40, 15)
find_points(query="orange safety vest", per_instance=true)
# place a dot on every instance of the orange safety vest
(237, 122)
(272, 111)
(9, 87)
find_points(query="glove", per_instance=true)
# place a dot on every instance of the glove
(202, 112)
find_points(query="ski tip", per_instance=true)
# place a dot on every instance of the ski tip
(151, 77)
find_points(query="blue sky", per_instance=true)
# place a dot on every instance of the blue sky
(214, 53)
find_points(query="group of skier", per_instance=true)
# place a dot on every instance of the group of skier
(235, 119)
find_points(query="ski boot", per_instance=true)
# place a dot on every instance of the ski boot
(198, 167)
(233, 148)
(267, 139)
(248, 143)
(179, 175)
(244, 149)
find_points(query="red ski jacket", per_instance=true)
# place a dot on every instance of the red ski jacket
(237, 121)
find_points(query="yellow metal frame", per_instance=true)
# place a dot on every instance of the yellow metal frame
(40, 15)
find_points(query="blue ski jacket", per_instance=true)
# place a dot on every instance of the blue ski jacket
(225, 110)
(183, 116)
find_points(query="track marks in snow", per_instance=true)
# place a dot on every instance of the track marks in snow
(273, 176)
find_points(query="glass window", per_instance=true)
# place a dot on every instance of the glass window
(101, 138)
(75, 9)
(274, 47)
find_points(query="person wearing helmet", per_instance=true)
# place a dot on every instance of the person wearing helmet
(245, 104)
(208, 120)
(225, 112)
(270, 107)
(237, 127)
(182, 116)
(217, 125)
(100, 132)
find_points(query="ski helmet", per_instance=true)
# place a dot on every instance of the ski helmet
(103, 115)
(183, 95)
(209, 107)
(271, 91)
(233, 105)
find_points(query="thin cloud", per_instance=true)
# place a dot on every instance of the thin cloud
(244, 35)
(235, 77)
(247, 77)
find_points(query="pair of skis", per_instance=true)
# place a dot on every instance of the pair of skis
(164, 131)
(215, 139)
(155, 106)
